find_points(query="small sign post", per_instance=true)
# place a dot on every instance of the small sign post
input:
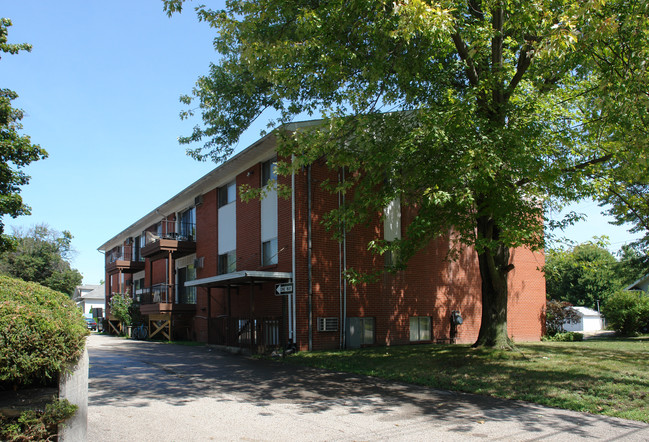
(283, 289)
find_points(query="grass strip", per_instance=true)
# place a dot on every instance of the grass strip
(607, 376)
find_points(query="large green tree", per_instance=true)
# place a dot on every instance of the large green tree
(16, 149)
(583, 274)
(42, 255)
(477, 114)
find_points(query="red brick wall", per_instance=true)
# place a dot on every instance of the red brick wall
(206, 248)
(248, 223)
(430, 286)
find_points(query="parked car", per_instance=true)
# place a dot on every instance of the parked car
(90, 322)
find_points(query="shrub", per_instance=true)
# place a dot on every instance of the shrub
(120, 307)
(40, 331)
(37, 424)
(557, 313)
(565, 337)
(627, 312)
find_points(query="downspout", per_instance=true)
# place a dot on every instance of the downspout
(291, 302)
(340, 280)
(344, 325)
(309, 253)
(209, 312)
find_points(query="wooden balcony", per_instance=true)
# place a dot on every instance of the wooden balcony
(160, 299)
(124, 261)
(160, 248)
(124, 266)
(179, 239)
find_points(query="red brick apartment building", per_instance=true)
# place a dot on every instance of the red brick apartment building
(207, 266)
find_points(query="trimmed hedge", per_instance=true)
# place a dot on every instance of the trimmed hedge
(40, 331)
(564, 337)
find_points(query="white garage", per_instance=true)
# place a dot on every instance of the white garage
(589, 320)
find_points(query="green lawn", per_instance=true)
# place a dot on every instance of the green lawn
(598, 376)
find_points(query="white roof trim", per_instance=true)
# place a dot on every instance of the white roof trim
(242, 276)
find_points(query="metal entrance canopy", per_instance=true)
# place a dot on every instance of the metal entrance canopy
(245, 277)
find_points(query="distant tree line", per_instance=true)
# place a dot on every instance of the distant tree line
(587, 273)
(41, 254)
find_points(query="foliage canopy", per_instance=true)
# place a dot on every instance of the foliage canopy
(16, 149)
(479, 114)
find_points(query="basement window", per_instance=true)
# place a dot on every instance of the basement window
(420, 328)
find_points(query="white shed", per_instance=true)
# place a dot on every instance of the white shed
(589, 320)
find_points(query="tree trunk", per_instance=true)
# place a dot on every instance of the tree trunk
(494, 267)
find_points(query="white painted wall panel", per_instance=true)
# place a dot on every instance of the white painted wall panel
(392, 220)
(269, 216)
(227, 228)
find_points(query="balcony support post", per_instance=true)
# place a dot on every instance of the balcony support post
(252, 316)
(170, 279)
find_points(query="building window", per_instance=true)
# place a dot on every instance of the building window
(269, 252)
(138, 289)
(420, 328)
(391, 256)
(188, 225)
(227, 194)
(360, 332)
(268, 172)
(186, 295)
(228, 262)
(137, 245)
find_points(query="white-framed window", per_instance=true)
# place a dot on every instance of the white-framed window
(228, 262)
(420, 328)
(269, 252)
(227, 194)
(268, 171)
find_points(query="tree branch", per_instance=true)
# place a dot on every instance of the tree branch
(641, 220)
(463, 52)
(497, 54)
(524, 62)
(572, 169)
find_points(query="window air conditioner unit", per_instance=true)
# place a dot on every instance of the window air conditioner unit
(198, 262)
(327, 324)
(198, 200)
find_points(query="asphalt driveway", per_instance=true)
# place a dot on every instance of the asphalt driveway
(141, 391)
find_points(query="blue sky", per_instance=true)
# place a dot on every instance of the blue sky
(100, 92)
